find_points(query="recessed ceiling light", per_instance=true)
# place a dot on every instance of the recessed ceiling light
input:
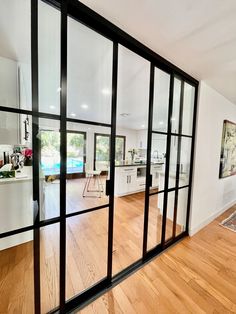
(59, 89)
(84, 106)
(52, 107)
(72, 114)
(106, 91)
(161, 122)
(124, 114)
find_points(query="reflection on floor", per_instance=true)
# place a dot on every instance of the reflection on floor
(86, 247)
(198, 275)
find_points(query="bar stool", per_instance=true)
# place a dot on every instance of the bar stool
(96, 176)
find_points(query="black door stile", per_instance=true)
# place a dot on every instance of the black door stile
(178, 159)
(167, 166)
(35, 146)
(112, 160)
(148, 167)
(63, 153)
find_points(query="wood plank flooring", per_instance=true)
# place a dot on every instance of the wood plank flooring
(198, 275)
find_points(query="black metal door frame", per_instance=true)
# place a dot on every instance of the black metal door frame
(83, 14)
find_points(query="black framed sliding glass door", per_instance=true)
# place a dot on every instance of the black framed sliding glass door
(101, 140)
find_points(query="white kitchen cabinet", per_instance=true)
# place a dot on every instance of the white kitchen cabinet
(155, 172)
(125, 180)
(132, 179)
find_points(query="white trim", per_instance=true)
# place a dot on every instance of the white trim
(211, 218)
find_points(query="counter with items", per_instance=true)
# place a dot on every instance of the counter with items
(16, 210)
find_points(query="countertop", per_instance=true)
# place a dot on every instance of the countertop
(139, 164)
(24, 175)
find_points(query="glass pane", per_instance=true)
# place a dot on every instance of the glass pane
(16, 193)
(102, 151)
(120, 149)
(176, 107)
(130, 175)
(49, 58)
(155, 220)
(170, 215)
(86, 180)
(182, 211)
(185, 156)
(188, 107)
(16, 274)
(173, 161)
(49, 263)
(15, 54)
(50, 142)
(89, 74)
(86, 257)
(161, 101)
(76, 152)
(158, 158)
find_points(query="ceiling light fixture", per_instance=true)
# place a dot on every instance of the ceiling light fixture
(106, 91)
(124, 114)
(84, 106)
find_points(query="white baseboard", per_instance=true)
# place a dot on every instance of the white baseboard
(210, 218)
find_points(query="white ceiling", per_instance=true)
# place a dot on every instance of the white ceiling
(198, 36)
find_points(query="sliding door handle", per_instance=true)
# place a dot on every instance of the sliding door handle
(108, 187)
(150, 180)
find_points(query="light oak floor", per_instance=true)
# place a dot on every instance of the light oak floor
(198, 275)
(86, 248)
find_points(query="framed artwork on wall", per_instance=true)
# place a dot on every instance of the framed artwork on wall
(228, 150)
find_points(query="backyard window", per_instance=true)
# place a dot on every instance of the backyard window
(50, 152)
(102, 151)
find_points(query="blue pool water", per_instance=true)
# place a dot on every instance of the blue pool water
(50, 166)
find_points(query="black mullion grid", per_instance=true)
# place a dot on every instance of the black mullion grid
(112, 160)
(47, 222)
(192, 157)
(178, 158)
(93, 20)
(101, 25)
(165, 201)
(63, 153)
(35, 146)
(174, 134)
(169, 190)
(148, 167)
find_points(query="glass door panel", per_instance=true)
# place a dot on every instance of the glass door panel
(87, 173)
(130, 170)
(86, 258)
(89, 86)
(89, 74)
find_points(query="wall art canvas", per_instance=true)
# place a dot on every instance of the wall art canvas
(228, 150)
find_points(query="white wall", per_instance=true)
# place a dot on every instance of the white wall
(210, 195)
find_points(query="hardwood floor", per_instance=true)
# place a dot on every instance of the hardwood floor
(198, 275)
(86, 249)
